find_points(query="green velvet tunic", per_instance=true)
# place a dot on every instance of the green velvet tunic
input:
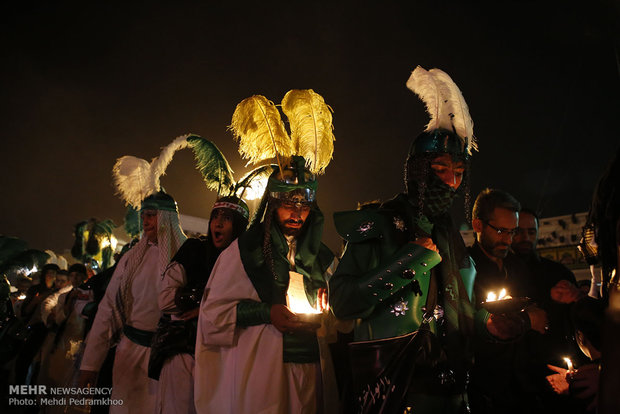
(383, 282)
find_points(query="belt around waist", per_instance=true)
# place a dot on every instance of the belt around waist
(138, 336)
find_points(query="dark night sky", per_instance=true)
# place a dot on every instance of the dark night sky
(85, 83)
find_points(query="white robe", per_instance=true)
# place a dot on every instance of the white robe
(60, 366)
(241, 370)
(130, 380)
(175, 394)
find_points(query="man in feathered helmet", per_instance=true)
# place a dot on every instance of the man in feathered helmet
(406, 275)
(254, 351)
(128, 313)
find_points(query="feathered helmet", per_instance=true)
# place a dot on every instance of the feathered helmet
(450, 129)
(300, 156)
(138, 181)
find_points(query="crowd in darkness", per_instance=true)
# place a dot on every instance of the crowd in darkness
(407, 318)
(524, 375)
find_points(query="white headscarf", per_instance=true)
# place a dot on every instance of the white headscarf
(170, 237)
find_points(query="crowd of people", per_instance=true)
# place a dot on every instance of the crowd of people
(259, 316)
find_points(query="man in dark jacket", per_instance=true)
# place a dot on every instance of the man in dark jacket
(505, 378)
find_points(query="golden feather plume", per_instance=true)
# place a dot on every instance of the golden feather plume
(257, 124)
(310, 120)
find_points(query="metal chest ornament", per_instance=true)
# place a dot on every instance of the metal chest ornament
(365, 227)
(400, 307)
(399, 223)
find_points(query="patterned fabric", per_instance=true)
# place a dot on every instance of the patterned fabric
(170, 237)
(438, 197)
(232, 206)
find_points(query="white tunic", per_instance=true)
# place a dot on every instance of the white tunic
(175, 394)
(60, 368)
(241, 370)
(129, 376)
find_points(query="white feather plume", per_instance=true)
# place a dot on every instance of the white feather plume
(461, 119)
(133, 179)
(433, 94)
(159, 164)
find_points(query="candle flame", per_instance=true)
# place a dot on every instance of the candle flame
(569, 364)
(296, 298)
(492, 296)
(300, 305)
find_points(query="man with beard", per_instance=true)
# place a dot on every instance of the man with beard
(184, 280)
(495, 220)
(505, 377)
(547, 273)
(253, 354)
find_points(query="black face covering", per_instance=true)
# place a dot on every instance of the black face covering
(438, 196)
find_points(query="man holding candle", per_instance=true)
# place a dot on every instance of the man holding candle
(507, 377)
(244, 316)
(255, 352)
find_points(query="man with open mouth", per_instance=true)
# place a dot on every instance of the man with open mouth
(183, 283)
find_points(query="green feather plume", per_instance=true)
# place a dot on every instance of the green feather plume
(99, 231)
(212, 164)
(77, 251)
(132, 223)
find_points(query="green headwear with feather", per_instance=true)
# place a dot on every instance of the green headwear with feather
(218, 176)
(138, 181)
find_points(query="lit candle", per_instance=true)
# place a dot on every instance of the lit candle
(569, 364)
(296, 298)
(492, 296)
